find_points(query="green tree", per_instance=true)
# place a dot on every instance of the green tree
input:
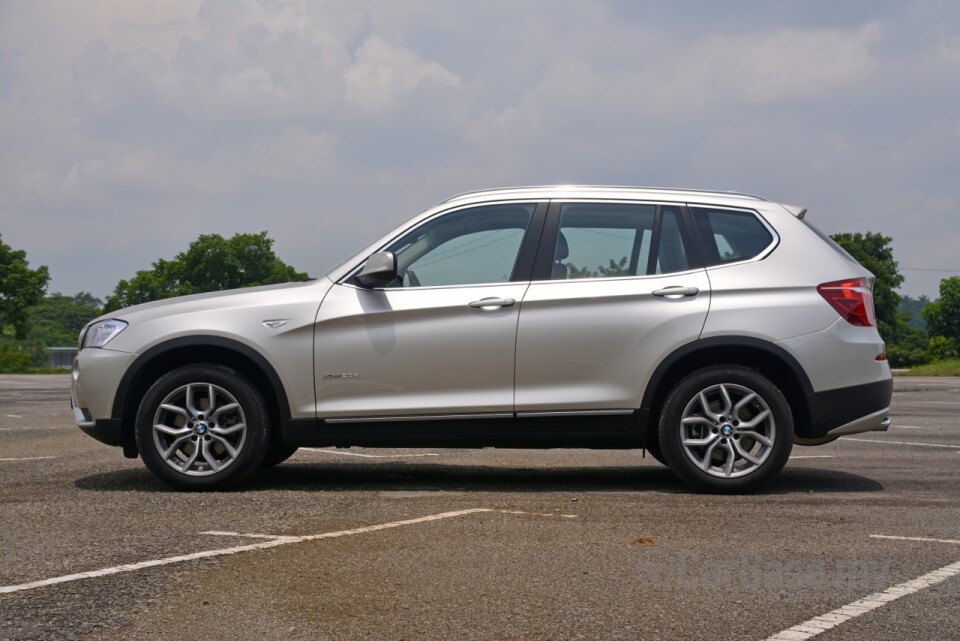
(56, 320)
(873, 251)
(943, 316)
(20, 288)
(211, 263)
(942, 348)
(911, 307)
(909, 347)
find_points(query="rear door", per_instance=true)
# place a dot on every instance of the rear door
(616, 288)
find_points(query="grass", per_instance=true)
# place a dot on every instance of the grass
(939, 368)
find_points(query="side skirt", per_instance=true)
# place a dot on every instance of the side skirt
(596, 431)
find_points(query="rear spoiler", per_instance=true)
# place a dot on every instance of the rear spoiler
(799, 212)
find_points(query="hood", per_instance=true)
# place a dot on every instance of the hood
(206, 301)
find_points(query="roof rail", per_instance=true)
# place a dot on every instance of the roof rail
(602, 187)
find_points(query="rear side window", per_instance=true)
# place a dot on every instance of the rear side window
(609, 240)
(731, 236)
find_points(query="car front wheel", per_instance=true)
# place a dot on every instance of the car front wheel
(277, 454)
(726, 429)
(202, 427)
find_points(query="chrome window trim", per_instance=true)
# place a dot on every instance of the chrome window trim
(423, 288)
(617, 278)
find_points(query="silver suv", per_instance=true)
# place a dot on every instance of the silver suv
(715, 330)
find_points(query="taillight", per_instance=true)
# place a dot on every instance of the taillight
(852, 299)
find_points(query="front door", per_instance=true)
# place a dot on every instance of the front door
(439, 341)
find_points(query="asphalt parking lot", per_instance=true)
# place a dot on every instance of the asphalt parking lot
(858, 539)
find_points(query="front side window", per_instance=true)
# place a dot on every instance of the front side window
(731, 236)
(608, 240)
(466, 247)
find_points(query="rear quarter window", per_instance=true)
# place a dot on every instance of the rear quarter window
(731, 236)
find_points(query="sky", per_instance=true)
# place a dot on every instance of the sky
(127, 129)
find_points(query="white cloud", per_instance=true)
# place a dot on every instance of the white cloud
(131, 127)
(382, 74)
(949, 51)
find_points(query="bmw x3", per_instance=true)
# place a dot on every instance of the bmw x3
(714, 330)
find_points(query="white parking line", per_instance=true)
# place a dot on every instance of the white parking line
(273, 541)
(832, 619)
(26, 458)
(906, 427)
(324, 451)
(912, 538)
(873, 440)
(274, 537)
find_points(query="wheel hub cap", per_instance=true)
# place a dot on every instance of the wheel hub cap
(727, 430)
(199, 429)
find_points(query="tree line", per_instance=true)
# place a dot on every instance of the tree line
(916, 331)
(908, 343)
(31, 321)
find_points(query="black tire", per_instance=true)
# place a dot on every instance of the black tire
(192, 448)
(277, 454)
(653, 449)
(738, 442)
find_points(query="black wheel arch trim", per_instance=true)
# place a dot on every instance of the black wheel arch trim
(121, 400)
(727, 342)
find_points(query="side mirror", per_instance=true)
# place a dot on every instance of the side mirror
(380, 270)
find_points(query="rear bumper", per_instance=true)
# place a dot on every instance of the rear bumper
(847, 410)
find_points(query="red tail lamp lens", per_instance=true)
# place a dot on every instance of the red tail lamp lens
(852, 299)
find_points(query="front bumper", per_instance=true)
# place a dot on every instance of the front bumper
(847, 410)
(105, 430)
(95, 376)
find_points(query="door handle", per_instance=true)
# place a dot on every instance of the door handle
(484, 303)
(676, 292)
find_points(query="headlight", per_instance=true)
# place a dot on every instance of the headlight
(100, 334)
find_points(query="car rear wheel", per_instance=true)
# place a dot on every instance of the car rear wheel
(726, 429)
(202, 427)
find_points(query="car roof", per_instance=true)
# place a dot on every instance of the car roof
(602, 191)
